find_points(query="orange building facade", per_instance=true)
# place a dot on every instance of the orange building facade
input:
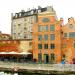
(52, 41)
(47, 38)
(16, 45)
(68, 41)
(5, 36)
(9, 46)
(16, 50)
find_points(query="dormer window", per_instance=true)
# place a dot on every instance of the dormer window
(32, 12)
(19, 14)
(70, 26)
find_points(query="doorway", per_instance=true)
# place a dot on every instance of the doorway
(40, 57)
(46, 58)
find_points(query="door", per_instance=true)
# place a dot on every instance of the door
(40, 57)
(46, 58)
(52, 58)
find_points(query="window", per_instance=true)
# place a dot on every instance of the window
(39, 28)
(52, 27)
(42, 28)
(72, 34)
(52, 56)
(39, 46)
(46, 37)
(30, 35)
(45, 46)
(25, 36)
(74, 45)
(52, 46)
(45, 20)
(70, 26)
(30, 43)
(40, 57)
(45, 28)
(65, 34)
(52, 37)
(19, 24)
(39, 37)
(25, 28)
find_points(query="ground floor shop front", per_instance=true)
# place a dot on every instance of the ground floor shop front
(47, 58)
(16, 58)
(52, 59)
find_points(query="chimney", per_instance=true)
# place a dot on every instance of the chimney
(39, 7)
(61, 21)
(22, 11)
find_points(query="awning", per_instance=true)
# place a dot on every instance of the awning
(25, 53)
(17, 53)
(3, 52)
(13, 52)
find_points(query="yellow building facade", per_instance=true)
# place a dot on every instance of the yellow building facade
(25, 45)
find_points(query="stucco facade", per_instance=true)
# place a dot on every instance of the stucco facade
(50, 45)
(68, 41)
(15, 45)
(4, 36)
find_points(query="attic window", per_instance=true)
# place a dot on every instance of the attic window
(70, 26)
(25, 36)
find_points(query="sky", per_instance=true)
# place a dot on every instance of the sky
(63, 8)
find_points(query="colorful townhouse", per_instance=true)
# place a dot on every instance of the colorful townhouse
(68, 41)
(53, 42)
(47, 38)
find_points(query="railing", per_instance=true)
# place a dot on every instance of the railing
(52, 67)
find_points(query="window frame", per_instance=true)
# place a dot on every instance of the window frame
(52, 46)
(52, 37)
(51, 27)
(39, 45)
(46, 37)
(45, 46)
(52, 55)
(39, 39)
